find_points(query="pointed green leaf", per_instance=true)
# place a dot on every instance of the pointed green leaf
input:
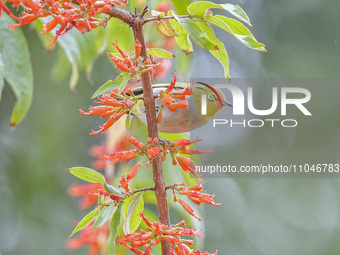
(114, 225)
(166, 29)
(71, 48)
(87, 174)
(237, 29)
(104, 215)
(160, 53)
(132, 218)
(221, 54)
(17, 68)
(237, 12)
(199, 9)
(182, 38)
(119, 82)
(199, 36)
(86, 220)
(87, 48)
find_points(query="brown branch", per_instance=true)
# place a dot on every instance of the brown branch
(123, 15)
(148, 189)
(165, 17)
(137, 22)
(149, 103)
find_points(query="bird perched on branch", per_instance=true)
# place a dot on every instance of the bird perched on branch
(179, 114)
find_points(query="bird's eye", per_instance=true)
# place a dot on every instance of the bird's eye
(212, 99)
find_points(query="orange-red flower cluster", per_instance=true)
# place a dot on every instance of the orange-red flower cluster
(89, 192)
(131, 63)
(168, 98)
(65, 13)
(149, 150)
(95, 238)
(194, 194)
(114, 106)
(187, 164)
(97, 150)
(155, 233)
(8, 11)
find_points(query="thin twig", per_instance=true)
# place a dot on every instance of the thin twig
(148, 189)
(165, 17)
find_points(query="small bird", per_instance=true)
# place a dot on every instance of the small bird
(186, 119)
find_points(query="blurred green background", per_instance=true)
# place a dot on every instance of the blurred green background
(257, 216)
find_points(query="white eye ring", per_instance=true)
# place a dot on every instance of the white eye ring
(212, 99)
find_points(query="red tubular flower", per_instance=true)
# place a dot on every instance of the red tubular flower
(138, 48)
(178, 105)
(124, 183)
(155, 233)
(133, 171)
(5, 8)
(188, 208)
(121, 155)
(49, 26)
(26, 19)
(88, 192)
(197, 187)
(109, 101)
(154, 151)
(172, 85)
(94, 238)
(109, 122)
(134, 141)
(102, 110)
(167, 100)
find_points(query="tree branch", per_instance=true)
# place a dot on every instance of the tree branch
(165, 17)
(149, 103)
(137, 22)
(148, 189)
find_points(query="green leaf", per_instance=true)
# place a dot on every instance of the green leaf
(17, 69)
(199, 36)
(120, 81)
(221, 55)
(237, 29)
(71, 48)
(114, 225)
(104, 215)
(87, 174)
(199, 9)
(160, 53)
(111, 189)
(128, 121)
(86, 220)
(166, 28)
(132, 218)
(182, 38)
(88, 52)
(101, 199)
(237, 12)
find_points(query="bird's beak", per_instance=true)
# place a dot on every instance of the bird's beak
(226, 103)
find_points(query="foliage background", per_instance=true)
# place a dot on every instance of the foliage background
(258, 216)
